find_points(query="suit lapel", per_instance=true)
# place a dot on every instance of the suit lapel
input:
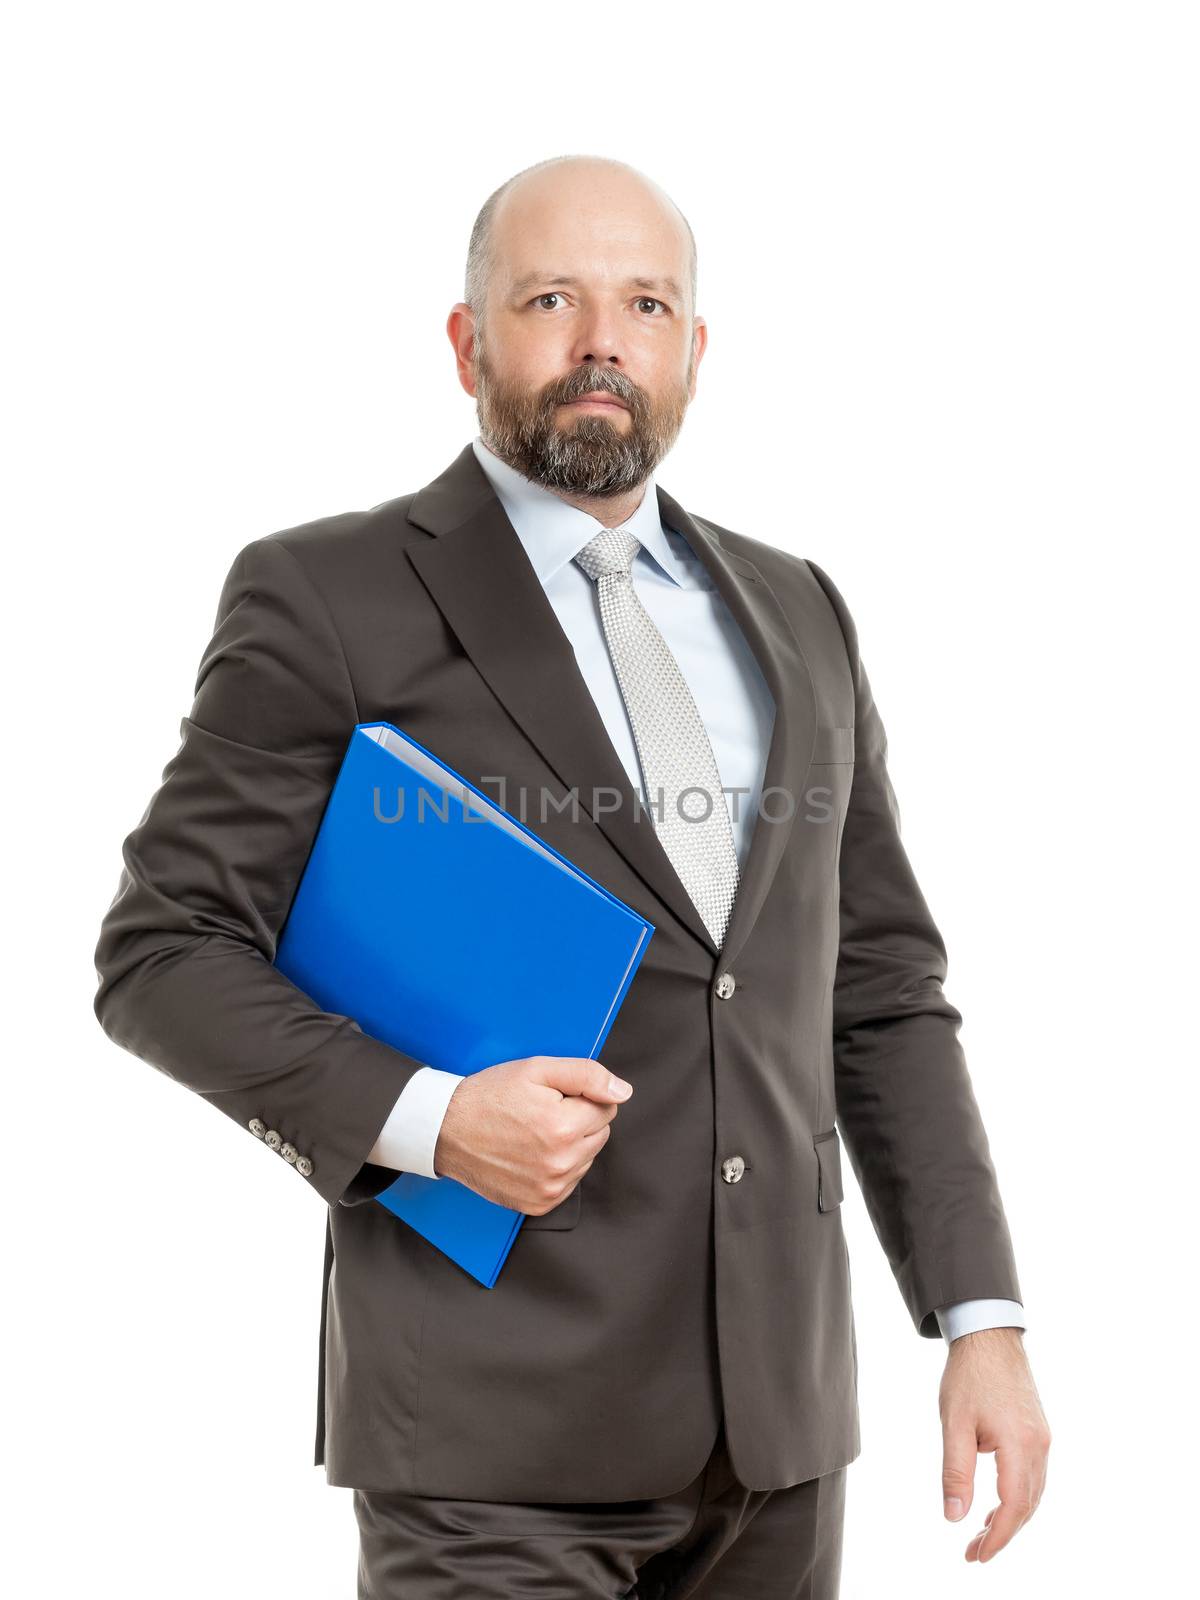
(478, 574)
(773, 642)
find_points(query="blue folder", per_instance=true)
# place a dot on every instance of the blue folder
(447, 928)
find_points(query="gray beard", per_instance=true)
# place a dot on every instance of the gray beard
(590, 459)
(594, 458)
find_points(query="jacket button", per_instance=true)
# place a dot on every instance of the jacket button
(732, 1168)
(303, 1166)
(257, 1127)
(289, 1153)
(272, 1138)
(725, 985)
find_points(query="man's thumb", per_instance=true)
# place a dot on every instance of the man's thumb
(958, 1472)
(584, 1076)
(601, 1084)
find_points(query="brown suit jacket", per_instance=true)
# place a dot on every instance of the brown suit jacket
(665, 1290)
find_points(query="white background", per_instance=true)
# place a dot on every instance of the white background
(948, 259)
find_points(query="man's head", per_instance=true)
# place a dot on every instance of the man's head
(581, 279)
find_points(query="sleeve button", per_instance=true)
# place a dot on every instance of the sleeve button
(257, 1127)
(272, 1139)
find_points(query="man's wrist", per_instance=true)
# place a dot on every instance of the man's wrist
(445, 1148)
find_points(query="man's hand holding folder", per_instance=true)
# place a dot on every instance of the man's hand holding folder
(523, 1133)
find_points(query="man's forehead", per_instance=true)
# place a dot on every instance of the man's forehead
(539, 228)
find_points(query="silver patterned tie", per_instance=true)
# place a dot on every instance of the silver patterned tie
(672, 742)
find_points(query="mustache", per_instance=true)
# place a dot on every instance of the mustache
(587, 380)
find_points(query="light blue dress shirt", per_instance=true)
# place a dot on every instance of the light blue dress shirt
(731, 696)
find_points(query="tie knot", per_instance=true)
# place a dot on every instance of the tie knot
(611, 551)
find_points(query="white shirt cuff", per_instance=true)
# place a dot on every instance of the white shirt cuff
(970, 1316)
(408, 1138)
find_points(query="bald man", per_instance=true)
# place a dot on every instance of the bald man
(658, 1396)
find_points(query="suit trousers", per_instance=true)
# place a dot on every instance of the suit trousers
(714, 1539)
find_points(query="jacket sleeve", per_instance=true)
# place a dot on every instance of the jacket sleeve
(185, 952)
(905, 1104)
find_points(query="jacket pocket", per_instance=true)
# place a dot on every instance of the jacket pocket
(564, 1215)
(833, 746)
(829, 1169)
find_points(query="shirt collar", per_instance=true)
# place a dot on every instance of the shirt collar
(553, 532)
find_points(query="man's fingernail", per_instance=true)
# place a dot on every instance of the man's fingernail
(618, 1088)
(954, 1509)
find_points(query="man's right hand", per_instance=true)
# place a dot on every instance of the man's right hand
(523, 1133)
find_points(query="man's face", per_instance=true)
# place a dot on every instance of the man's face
(583, 375)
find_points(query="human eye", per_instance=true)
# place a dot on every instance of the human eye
(647, 300)
(549, 294)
